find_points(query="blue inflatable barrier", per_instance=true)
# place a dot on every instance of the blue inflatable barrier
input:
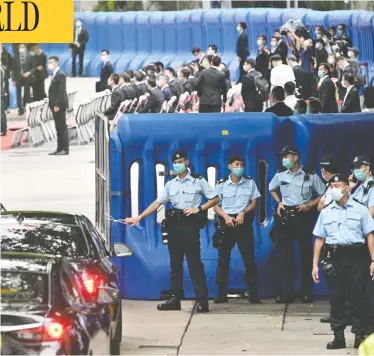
(209, 139)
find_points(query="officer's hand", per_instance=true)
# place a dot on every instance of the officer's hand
(304, 207)
(190, 211)
(280, 207)
(240, 218)
(352, 183)
(230, 221)
(372, 271)
(315, 274)
(132, 221)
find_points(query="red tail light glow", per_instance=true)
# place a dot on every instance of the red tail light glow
(92, 280)
(52, 330)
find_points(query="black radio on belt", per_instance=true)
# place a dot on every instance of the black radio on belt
(164, 232)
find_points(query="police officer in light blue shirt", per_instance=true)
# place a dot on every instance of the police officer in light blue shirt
(238, 194)
(187, 216)
(342, 227)
(297, 190)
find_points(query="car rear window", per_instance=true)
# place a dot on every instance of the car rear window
(24, 288)
(51, 238)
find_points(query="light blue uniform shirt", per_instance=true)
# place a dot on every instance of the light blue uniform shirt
(186, 193)
(236, 197)
(295, 190)
(368, 198)
(344, 225)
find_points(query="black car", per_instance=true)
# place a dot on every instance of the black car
(74, 237)
(45, 308)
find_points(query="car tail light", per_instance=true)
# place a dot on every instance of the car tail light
(52, 330)
(92, 280)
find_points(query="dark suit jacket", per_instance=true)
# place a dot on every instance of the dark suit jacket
(282, 50)
(18, 69)
(106, 72)
(128, 92)
(249, 92)
(262, 65)
(57, 92)
(352, 102)
(280, 109)
(167, 93)
(82, 39)
(141, 89)
(187, 86)
(115, 101)
(321, 56)
(242, 46)
(175, 88)
(155, 101)
(327, 97)
(211, 84)
(298, 75)
(40, 60)
(341, 89)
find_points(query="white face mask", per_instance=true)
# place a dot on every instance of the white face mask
(259, 42)
(104, 58)
(158, 83)
(273, 44)
(337, 194)
(78, 24)
(51, 67)
(22, 50)
(210, 52)
(318, 45)
(330, 60)
(239, 29)
(350, 54)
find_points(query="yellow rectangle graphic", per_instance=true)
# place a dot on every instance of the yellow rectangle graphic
(37, 21)
(225, 132)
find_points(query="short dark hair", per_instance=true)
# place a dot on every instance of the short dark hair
(327, 67)
(115, 78)
(321, 41)
(302, 106)
(129, 72)
(251, 62)
(349, 77)
(277, 30)
(213, 47)
(216, 61)
(126, 77)
(278, 93)
(275, 57)
(139, 76)
(54, 58)
(105, 50)
(289, 88)
(151, 82)
(314, 105)
(341, 58)
(243, 25)
(342, 25)
(160, 66)
(185, 72)
(196, 50)
(79, 19)
(171, 70)
(226, 72)
(263, 37)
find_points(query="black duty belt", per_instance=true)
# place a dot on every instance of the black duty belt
(355, 246)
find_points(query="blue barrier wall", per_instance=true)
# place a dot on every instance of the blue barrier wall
(210, 139)
(139, 37)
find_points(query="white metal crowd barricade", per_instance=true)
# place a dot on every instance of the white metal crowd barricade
(70, 110)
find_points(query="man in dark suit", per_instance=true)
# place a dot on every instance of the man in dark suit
(242, 47)
(116, 98)
(7, 63)
(279, 108)
(211, 86)
(174, 84)
(155, 100)
(164, 86)
(128, 91)
(58, 103)
(321, 52)
(22, 76)
(263, 57)
(106, 71)
(344, 67)
(251, 99)
(79, 46)
(327, 90)
(351, 101)
(281, 48)
(187, 84)
(141, 87)
(298, 72)
(40, 72)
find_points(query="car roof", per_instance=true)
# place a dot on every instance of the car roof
(34, 216)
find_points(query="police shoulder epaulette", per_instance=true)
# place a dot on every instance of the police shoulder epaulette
(328, 204)
(357, 201)
(222, 180)
(309, 171)
(281, 169)
(171, 177)
(196, 175)
(248, 177)
(368, 187)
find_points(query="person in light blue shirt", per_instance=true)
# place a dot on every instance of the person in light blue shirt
(341, 228)
(238, 194)
(365, 191)
(297, 191)
(184, 220)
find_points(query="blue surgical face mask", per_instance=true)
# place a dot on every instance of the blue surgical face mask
(321, 74)
(318, 35)
(238, 171)
(179, 167)
(287, 163)
(359, 174)
(340, 32)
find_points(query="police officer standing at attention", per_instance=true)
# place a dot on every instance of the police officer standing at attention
(329, 168)
(238, 194)
(185, 192)
(298, 186)
(342, 227)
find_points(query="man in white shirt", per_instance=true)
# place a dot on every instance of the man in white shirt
(291, 99)
(281, 73)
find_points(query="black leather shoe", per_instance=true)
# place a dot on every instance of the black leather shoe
(306, 299)
(62, 153)
(338, 342)
(220, 299)
(172, 304)
(254, 300)
(53, 153)
(325, 320)
(358, 340)
(202, 306)
(282, 300)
